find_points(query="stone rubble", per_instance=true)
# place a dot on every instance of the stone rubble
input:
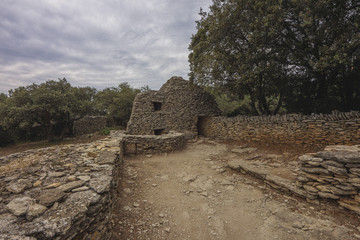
(61, 192)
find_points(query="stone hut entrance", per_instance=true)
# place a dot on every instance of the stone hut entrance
(200, 126)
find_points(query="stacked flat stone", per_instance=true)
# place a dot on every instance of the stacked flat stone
(334, 174)
(150, 144)
(180, 107)
(316, 129)
(62, 192)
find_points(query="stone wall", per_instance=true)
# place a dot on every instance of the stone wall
(62, 192)
(322, 129)
(334, 174)
(176, 106)
(89, 124)
(149, 144)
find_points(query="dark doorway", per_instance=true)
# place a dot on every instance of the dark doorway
(200, 126)
(157, 106)
(159, 131)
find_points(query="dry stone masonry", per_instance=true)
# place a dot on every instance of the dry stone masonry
(333, 174)
(149, 144)
(61, 192)
(177, 106)
(320, 129)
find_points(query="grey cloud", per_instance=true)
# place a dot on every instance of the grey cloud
(95, 43)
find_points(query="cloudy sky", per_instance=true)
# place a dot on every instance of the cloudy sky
(97, 43)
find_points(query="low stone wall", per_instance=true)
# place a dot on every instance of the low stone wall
(333, 173)
(322, 129)
(62, 192)
(150, 144)
(89, 124)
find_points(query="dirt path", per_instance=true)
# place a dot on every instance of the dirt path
(192, 195)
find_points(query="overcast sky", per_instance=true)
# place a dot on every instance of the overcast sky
(97, 43)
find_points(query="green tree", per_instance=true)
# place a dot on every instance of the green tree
(52, 105)
(301, 52)
(117, 102)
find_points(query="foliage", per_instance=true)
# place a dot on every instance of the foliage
(116, 102)
(303, 54)
(49, 109)
(106, 131)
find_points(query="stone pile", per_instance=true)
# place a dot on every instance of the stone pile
(61, 192)
(333, 174)
(150, 144)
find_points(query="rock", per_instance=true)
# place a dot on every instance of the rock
(328, 195)
(72, 178)
(37, 183)
(350, 204)
(315, 170)
(36, 210)
(341, 156)
(19, 206)
(101, 184)
(310, 189)
(56, 174)
(71, 185)
(53, 185)
(85, 178)
(80, 189)
(48, 197)
(19, 186)
(337, 170)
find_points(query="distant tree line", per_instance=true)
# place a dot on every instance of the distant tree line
(281, 55)
(48, 110)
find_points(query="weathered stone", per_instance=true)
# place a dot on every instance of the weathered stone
(332, 163)
(19, 206)
(328, 195)
(101, 184)
(72, 178)
(37, 183)
(337, 170)
(315, 170)
(80, 189)
(19, 186)
(310, 189)
(340, 156)
(84, 178)
(309, 158)
(350, 204)
(71, 185)
(355, 171)
(48, 197)
(36, 210)
(53, 185)
(56, 174)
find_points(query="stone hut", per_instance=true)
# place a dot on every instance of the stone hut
(178, 106)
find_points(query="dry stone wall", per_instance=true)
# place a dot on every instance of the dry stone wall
(322, 129)
(333, 174)
(177, 106)
(62, 192)
(89, 124)
(149, 144)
